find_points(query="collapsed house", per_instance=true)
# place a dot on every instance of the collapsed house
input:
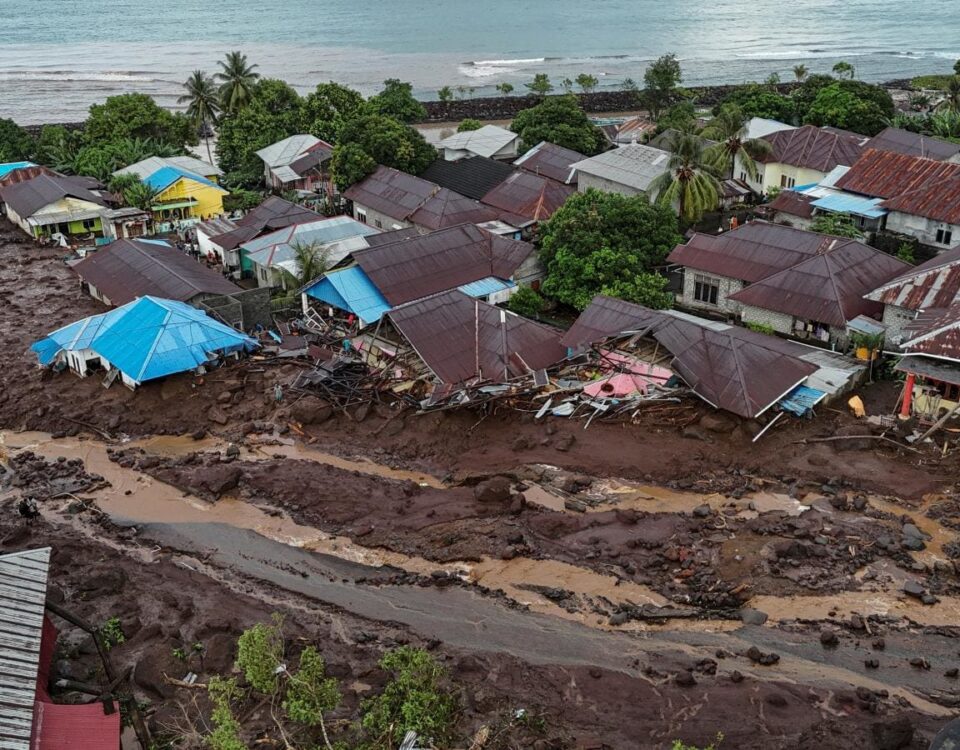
(931, 363)
(143, 340)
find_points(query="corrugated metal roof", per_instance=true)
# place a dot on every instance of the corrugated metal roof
(26, 198)
(391, 192)
(735, 369)
(5, 169)
(473, 177)
(815, 148)
(634, 165)
(127, 269)
(934, 284)
(884, 174)
(446, 208)
(146, 339)
(335, 237)
(913, 144)
(485, 141)
(484, 287)
(793, 203)
(524, 198)
(851, 204)
(84, 727)
(23, 594)
(167, 176)
(551, 160)
(287, 151)
(828, 287)
(935, 332)
(351, 290)
(274, 213)
(945, 371)
(432, 263)
(148, 166)
(461, 339)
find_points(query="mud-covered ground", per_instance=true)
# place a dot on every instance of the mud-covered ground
(631, 584)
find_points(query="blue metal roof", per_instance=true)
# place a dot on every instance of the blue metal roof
(7, 168)
(851, 204)
(164, 178)
(350, 289)
(801, 400)
(146, 339)
(485, 287)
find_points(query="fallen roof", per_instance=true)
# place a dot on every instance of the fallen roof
(730, 368)
(550, 160)
(415, 268)
(12, 166)
(473, 177)
(26, 198)
(461, 339)
(127, 269)
(828, 287)
(634, 165)
(935, 333)
(350, 289)
(525, 198)
(148, 166)
(23, 594)
(793, 203)
(392, 192)
(934, 284)
(913, 144)
(446, 208)
(146, 339)
(814, 148)
(274, 213)
(485, 141)
(751, 252)
(885, 174)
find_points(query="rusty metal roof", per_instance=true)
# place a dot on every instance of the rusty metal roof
(828, 287)
(793, 203)
(274, 213)
(524, 198)
(935, 332)
(462, 339)
(730, 368)
(23, 174)
(913, 144)
(446, 208)
(392, 192)
(26, 198)
(418, 267)
(813, 148)
(934, 284)
(550, 160)
(127, 269)
(751, 252)
(885, 174)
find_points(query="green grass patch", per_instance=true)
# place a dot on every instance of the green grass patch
(936, 82)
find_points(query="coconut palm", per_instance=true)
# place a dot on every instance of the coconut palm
(729, 129)
(844, 69)
(140, 196)
(203, 104)
(690, 183)
(951, 100)
(237, 78)
(800, 72)
(310, 260)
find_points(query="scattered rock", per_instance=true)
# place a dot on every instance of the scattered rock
(828, 638)
(685, 679)
(217, 415)
(753, 617)
(914, 589)
(311, 411)
(892, 735)
(493, 490)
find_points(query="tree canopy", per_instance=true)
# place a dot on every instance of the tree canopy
(237, 79)
(137, 116)
(661, 81)
(606, 243)
(844, 107)
(760, 101)
(15, 142)
(383, 140)
(559, 120)
(324, 111)
(837, 225)
(397, 101)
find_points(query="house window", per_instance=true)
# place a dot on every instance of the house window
(89, 223)
(378, 223)
(361, 215)
(944, 236)
(706, 289)
(743, 177)
(787, 182)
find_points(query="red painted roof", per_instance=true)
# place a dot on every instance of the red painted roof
(524, 198)
(793, 203)
(66, 727)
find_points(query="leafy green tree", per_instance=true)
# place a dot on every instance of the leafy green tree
(15, 142)
(445, 94)
(469, 124)
(567, 85)
(57, 147)
(951, 99)
(682, 116)
(95, 161)
(323, 112)
(842, 108)
(661, 84)
(237, 79)
(203, 104)
(137, 116)
(389, 142)
(505, 89)
(943, 124)
(259, 652)
(526, 301)
(844, 69)
(241, 199)
(956, 67)
(350, 164)
(120, 183)
(690, 182)
(807, 91)
(559, 120)
(415, 699)
(837, 225)
(773, 80)
(540, 84)
(226, 728)
(907, 252)
(800, 72)
(606, 243)
(140, 196)
(729, 129)
(760, 101)
(920, 102)
(397, 101)
(587, 82)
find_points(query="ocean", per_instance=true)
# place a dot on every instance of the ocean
(57, 57)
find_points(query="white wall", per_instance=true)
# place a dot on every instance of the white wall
(925, 230)
(727, 287)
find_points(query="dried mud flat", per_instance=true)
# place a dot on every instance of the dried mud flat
(631, 584)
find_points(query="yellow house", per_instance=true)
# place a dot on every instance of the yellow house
(187, 188)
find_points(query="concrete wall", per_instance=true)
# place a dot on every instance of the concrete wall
(586, 181)
(377, 219)
(896, 318)
(243, 310)
(925, 230)
(769, 175)
(530, 271)
(787, 324)
(727, 287)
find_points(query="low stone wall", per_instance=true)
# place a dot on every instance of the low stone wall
(34, 130)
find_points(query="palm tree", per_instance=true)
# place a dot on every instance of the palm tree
(729, 129)
(311, 261)
(203, 104)
(237, 79)
(689, 183)
(140, 196)
(800, 72)
(844, 69)
(951, 101)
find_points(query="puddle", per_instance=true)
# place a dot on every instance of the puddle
(946, 613)
(938, 535)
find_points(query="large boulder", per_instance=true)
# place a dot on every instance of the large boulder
(309, 410)
(493, 490)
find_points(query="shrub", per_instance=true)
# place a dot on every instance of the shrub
(526, 301)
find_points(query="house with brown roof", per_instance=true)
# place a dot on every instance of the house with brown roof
(931, 364)
(798, 283)
(525, 199)
(934, 285)
(901, 141)
(553, 161)
(921, 196)
(52, 203)
(801, 156)
(299, 162)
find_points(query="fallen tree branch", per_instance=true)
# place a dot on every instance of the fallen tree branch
(805, 441)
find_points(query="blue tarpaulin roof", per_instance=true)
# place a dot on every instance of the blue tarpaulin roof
(7, 168)
(146, 339)
(350, 289)
(164, 178)
(851, 204)
(801, 400)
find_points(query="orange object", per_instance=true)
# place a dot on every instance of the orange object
(908, 395)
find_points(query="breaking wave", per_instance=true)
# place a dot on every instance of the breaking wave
(73, 75)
